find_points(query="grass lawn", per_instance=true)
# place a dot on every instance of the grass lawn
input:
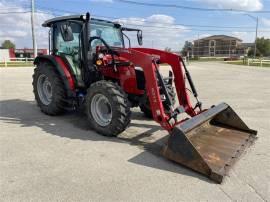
(16, 64)
(207, 60)
(240, 62)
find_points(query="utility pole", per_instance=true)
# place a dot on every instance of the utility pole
(198, 52)
(255, 49)
(256, 35)
(230, 49)
(33, 27)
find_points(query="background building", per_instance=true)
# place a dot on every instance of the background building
(10, 54)
(220, 46)
(28, 52)
(5, 55)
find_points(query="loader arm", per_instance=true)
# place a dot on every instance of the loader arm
(176, 63)
(143, 58)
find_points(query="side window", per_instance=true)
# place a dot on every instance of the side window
(68, 47)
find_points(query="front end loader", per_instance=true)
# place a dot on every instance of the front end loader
(89, 65)
(210, 140)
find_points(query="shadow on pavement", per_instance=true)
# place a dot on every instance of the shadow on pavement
(74, 125)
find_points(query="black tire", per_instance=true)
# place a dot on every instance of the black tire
(119, 104)
(57, 104)
(146, 109)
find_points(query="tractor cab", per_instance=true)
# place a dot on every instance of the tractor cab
(77, 38)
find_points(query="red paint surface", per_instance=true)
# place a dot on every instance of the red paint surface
(143, 57)
(11, 53)
(125, 74)
(64, 67)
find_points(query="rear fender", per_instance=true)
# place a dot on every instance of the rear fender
(62, 69)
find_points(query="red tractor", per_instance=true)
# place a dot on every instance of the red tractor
(89, 65)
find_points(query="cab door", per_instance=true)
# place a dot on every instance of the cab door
(70, 49)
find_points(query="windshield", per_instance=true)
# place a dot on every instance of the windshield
(108, 32)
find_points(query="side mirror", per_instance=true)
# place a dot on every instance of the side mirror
(140, 37)
(66, 32)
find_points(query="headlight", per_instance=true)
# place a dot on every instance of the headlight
(99, 62)
(100, 55)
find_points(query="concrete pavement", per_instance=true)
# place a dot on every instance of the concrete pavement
(46, 158)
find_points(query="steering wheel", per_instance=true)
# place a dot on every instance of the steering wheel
(110, 50)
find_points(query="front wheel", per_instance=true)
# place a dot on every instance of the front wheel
(107, 108)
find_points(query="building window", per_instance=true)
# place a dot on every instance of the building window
(212, 51)
(212, 43)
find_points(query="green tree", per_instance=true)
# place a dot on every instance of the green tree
(7, 44)
(187, 47)
(263, 47)
(167, 49)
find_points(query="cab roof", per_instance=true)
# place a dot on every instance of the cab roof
(49, 22)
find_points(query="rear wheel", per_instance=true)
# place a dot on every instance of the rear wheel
(49, 89)
(107, 108)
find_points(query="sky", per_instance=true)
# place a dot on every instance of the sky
(162, 26)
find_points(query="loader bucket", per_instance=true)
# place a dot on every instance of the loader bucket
(210, 142)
